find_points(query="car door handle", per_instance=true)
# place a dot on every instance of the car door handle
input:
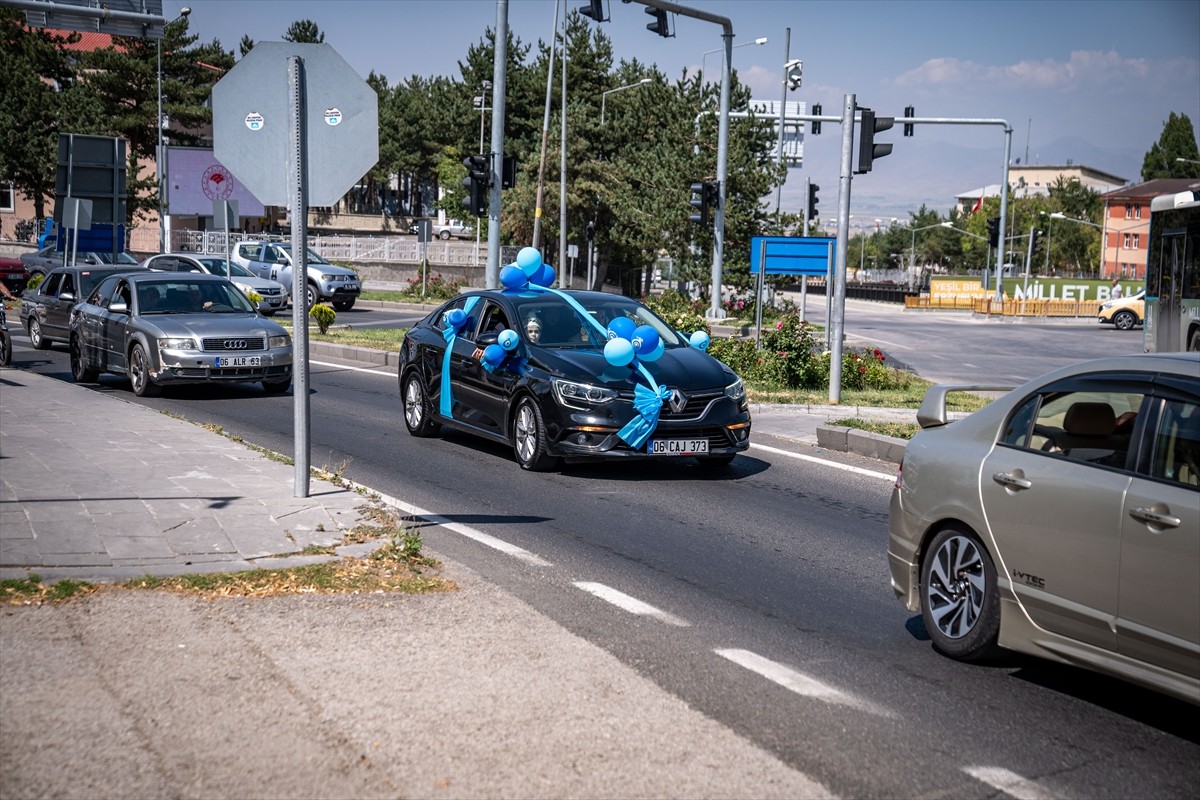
(1154, 518)
(1012, 481)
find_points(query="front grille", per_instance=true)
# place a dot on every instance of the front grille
(697, 404)
(230, 344)
(270, 292)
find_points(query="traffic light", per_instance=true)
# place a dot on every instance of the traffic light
(993, 225)
(660, 25)
(813, 200)
(508, 175)
(476, 184)
(868, 151)
(816, 124)
(909, 111)
(1034, 242)
(595, 10)
(705, 195)
(795, 74)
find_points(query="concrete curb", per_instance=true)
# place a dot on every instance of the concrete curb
(860, 442)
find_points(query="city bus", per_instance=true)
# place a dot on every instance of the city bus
(1172, 318)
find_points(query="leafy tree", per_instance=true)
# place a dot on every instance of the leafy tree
(1178, 140)
(246, 45)
(35, 96)
(303, 31)
(123, 79)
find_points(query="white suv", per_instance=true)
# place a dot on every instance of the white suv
(326, 281)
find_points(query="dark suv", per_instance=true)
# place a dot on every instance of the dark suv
(46, 310)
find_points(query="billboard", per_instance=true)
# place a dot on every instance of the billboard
(195, 178)
(793, 255)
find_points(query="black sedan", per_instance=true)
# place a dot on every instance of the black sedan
(540, 370)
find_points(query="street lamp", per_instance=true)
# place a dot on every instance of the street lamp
(158, 156)
(1060, 215)
(912, 249)
(707, 53)
(988, 250)
(604, 95)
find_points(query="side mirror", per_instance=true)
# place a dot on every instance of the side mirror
(489, 338)
(119, 307)
(68, 297)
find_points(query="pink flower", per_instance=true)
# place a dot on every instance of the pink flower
(779, 325)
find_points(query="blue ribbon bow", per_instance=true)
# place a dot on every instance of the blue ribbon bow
(648, 403)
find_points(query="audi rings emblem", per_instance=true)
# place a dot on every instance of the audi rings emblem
(235, 344)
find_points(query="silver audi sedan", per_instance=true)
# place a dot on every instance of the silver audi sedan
(162, 328)
(1062, 520)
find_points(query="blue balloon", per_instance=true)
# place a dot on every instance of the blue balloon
(508, 339)
(529, 260)
(644, 339)
(512, 277)
(655, 354)
(455, 317)
(699, 340)
(618, 352)
(621, 328)
(543, 277)
(494, 354)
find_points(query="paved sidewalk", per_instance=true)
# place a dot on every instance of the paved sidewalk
(469, 694)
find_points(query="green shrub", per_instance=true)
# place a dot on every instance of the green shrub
(681, 313)
(323, 315)
(35, 281)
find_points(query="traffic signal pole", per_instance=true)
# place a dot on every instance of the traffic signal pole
(500, 60)
(837, 319)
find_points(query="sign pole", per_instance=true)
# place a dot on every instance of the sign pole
(297, 209)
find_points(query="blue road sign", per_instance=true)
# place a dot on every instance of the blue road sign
(793, 255)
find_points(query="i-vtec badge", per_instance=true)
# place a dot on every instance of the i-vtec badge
(1029, 580)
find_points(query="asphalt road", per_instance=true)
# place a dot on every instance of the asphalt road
(759, 599)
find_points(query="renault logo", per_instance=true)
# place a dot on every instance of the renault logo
(677, 401)
(235, 344)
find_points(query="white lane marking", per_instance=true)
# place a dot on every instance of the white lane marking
(391, 374)
(887, 476)
(877, 341)
(797, 682)
(462, 530)
(630, 604)
(1010, 783)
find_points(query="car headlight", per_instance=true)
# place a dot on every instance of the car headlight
(736, 390)
(279, 341)
(177, 344)
(581, 395)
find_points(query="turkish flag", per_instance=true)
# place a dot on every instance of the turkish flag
(978, 204)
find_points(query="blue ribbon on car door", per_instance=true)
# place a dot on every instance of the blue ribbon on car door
(450, 334)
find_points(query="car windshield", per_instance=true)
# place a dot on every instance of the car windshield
(561, 325)
(121, 258)
(181, 296)
(313, 256)
(218, 266)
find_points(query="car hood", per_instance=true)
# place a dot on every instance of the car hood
(683, 367)
(208, 325)
(256, 282)
(332, 269)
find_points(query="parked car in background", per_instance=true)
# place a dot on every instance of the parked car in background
(42, 261)
(325, 282)
(162, 329)
(557, 396)
(14, 274)
(46, 309)
(273, 293)
(450, 229)
(1062, 520)
(1124, 312)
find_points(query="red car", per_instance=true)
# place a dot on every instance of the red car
(14, 274)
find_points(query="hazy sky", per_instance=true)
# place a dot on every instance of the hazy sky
(1098, 75)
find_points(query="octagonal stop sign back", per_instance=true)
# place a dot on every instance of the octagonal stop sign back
(252, 123)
